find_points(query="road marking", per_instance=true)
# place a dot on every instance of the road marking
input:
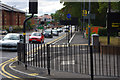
(68, 62)
(23, 72)
(3, 69)
(4, 75)
(59, 39)
(33, 74)
(3, 65)
(13, 66)
(71, 38)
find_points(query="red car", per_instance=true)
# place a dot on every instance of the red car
(36, 37)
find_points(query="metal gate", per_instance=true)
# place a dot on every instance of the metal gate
(83, 59)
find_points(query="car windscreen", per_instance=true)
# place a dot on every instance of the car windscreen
(54, 30)
(47, 31)
(11, 37)
(36, 34)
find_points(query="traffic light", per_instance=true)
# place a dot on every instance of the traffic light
(33, 6)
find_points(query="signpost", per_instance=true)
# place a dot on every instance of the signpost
(114, 21)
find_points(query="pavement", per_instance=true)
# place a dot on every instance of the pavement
(35, 73)
(76, 38)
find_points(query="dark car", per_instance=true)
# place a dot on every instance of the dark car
(48, 33)
(55, 32)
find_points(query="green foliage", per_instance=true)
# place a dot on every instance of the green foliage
(103, 32)
(97, 8)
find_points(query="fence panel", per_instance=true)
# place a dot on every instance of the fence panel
(73, 58)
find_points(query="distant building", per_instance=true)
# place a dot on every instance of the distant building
(10, 16)
(46, 18)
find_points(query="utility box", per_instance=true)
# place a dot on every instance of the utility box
(95, 39)
(33, 6)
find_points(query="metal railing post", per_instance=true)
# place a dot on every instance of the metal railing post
(48, 58)
(91, 62)
(18, 52)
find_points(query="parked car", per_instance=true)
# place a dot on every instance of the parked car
(48, 33)
(55, 32)
(4, 32)
(36, 37)
(9, 42)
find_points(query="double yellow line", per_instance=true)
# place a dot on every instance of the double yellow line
(4, 72)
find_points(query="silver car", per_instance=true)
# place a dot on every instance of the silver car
(9, 42)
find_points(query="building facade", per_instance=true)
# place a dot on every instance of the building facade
(10, 16)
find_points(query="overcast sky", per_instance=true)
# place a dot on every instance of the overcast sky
(44, 6)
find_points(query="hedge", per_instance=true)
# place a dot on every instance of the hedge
(103, 32)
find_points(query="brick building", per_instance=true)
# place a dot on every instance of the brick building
(10, 16)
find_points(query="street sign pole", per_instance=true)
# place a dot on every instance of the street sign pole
(68, 16)
(89, 24)
(108, 23)
(83, 20)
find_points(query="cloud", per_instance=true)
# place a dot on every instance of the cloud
(49, 6)
(44, 6)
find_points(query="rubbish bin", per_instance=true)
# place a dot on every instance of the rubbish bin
(95, 39)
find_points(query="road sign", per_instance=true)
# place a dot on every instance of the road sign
(84, 12)
(73, 21)
(68, 16)
(40, 27)
(92, 16)
(113, 21)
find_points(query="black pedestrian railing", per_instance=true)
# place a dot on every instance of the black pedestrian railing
(83, 59)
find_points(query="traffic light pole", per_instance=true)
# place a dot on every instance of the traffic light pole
(24, 41)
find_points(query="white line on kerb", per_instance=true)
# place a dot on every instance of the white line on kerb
(71, 38)
(24, 72)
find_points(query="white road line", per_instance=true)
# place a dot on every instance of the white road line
(71, 38)
(10, 66)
